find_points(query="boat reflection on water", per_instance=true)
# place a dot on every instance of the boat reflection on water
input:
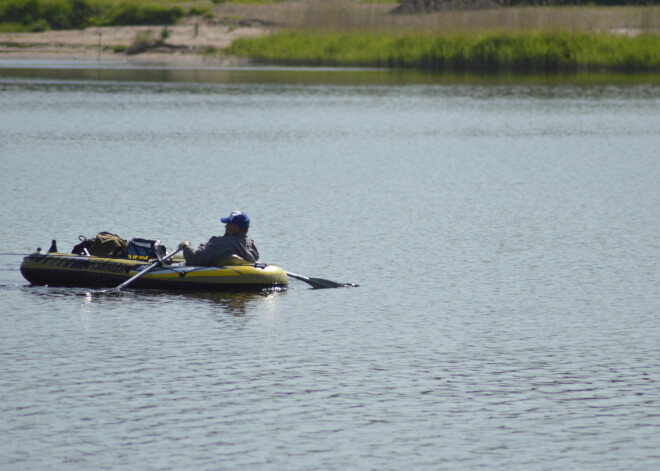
(236, 304)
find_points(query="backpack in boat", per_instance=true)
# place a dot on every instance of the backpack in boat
(104, 244)
(144, 249)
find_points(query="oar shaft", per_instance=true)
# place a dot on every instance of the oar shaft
(147, 270)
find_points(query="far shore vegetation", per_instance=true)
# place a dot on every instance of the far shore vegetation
(489, 52)
(514, 36)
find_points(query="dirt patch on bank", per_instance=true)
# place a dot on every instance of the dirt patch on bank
(180, 43)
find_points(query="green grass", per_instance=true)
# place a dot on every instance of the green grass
(118, 48)
(489, 52)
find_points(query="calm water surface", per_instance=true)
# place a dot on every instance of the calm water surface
(505, 237)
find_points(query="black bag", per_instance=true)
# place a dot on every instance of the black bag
(144, 249)
(105, 244)
(83, 247)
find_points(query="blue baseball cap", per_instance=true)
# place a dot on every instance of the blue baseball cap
(240, 219)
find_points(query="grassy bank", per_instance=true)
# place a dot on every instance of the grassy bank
(489, 52)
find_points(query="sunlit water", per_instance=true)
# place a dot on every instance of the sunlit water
(505, 237)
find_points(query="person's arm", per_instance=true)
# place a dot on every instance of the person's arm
(207, 256)
(190, 255)
(252, 249)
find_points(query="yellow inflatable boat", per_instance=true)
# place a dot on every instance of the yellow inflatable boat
(61, 269)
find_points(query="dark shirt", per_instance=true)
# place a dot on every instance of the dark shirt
(219, 248)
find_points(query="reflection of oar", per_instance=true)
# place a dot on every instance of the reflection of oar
(319, 282)
(144, 272)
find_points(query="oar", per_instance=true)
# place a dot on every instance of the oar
(144, 272)
(319, 282)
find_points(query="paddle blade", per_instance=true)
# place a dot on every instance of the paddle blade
(318, 283)
(321, 283)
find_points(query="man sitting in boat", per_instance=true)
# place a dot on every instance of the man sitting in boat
(224, 250)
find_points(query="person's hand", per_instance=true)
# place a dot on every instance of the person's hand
(183, 244)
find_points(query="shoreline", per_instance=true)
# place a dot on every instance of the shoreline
(199, 42)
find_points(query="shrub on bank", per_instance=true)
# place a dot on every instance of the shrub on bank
(495, 52)
(47, 14)
(39, 15)
(133, 13)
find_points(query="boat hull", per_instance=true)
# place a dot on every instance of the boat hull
(55, 269)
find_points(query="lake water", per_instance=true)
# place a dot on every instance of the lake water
(504, 235)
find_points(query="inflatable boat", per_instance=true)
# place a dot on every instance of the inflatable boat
(61, 269)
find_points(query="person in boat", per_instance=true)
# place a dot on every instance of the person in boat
(223, 250)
